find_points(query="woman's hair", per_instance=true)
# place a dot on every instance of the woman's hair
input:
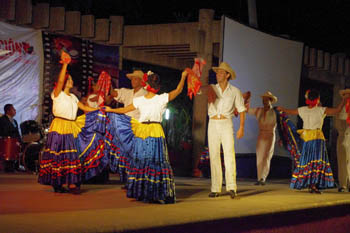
(154, 81)
(313, 94)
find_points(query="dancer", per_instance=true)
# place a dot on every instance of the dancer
(119, 157)
(343, 146)
(150, 177)
(313, 170)
(220, 130)
(60, 165)
(265, 145)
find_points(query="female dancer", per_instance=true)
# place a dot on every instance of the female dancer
(150, 176)
(60, 165)
(313, 170)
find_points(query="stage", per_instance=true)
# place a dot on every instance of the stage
(26, 206)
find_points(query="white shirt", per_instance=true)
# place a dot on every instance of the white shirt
(343, 114)
(93, 104)
(267, 122)
(65, 106)
(226, 101)
(312, 117)
(126, 97)
(151, 109)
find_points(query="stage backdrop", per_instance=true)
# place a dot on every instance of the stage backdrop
(88, 60)
(20, 71)
(262, 62)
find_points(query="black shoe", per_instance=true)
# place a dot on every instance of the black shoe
(262, 182)
(257, 183)
(313, 189)
(233, 194)
(75, 191)
(214, 194)
(59, 189)
(341, 190)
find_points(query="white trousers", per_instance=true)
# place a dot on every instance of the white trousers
(264, 151)
(343, 157)
(220, 132)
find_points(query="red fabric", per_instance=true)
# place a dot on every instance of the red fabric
(104, 83)
(312, 103)
(194, 75)
(145, 84)
(347, 109)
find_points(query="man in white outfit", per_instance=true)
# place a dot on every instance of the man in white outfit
(265, 145)
(126, 95)
(343, 149)
(220, 129)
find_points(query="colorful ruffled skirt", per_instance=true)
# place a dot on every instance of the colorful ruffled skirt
(119, 143)
(60, 163)
(313, 167)
(91, 144)
(144, 156)
(75, 151)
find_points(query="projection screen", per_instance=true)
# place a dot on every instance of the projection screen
(262, 62)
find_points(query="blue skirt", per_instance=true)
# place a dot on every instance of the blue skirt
(60, 163)
(91, 145)
(119, 143)
(313, 167)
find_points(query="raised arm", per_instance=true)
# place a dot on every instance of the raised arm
(336, 110)
(288, 111)
(174, 93)
(65, 60)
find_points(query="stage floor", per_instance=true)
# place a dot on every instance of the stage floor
(26, 206)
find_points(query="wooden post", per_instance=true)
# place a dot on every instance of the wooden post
(57, 18)
(72, 26)
(102, 30)
(116, 30)
(23, 12)
(327, 61)
(8, 10)
(87, 26)
(41, 15)
(200, 103)
(320, 59)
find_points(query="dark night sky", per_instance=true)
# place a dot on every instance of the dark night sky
(322, 24)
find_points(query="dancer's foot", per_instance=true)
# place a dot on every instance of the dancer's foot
(214, 194)
(233, 194)
(314, 189)
(59, 189)
(74, 189)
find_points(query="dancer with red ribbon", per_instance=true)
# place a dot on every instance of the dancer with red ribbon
(313, 170)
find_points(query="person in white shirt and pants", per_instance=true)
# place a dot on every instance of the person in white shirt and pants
(343, 149)
(220, 129)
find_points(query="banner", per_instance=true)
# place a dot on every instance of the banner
(21, 71)
(89, 59)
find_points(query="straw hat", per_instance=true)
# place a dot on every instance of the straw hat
(271, 96)
(136, 73)
(226, 67)
(344, 92)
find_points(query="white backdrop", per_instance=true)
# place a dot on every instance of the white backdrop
(21, 71)
(262, 62)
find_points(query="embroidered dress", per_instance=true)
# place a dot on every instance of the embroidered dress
(313, 167)
(150, 176)
(60, 163)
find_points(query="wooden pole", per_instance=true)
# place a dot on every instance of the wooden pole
(200, 103)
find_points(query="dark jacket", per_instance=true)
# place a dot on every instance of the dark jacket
(8, 129)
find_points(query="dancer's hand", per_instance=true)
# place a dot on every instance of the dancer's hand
(240, 133)
(65, 58)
